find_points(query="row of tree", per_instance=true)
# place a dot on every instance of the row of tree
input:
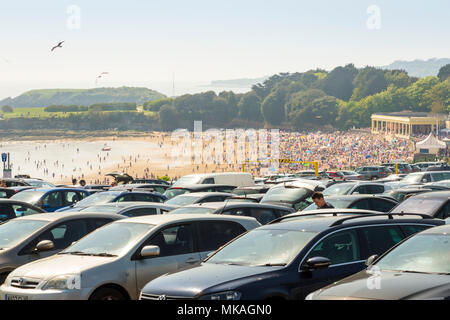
(94, 107)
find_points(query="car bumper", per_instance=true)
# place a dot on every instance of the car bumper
(11, 293)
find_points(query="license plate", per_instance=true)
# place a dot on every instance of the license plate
(14, 297)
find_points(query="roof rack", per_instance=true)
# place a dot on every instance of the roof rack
(334, 214)
(390, 215)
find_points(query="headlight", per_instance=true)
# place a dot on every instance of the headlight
(227, 295)
(8, 280)
(65, 282)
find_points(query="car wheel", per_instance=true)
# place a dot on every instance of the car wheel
(107, 294)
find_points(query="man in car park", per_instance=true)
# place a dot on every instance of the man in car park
(320, 201)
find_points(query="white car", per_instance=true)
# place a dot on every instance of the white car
(116, 261)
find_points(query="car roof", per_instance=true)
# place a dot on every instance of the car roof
(234, 204)
(170, 218)
(445, 229)
(56, 189)
(127, 204)
(56, 216)
(434, 194)
(200, 186)
(204, 194)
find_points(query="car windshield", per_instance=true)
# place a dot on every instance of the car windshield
(182, 200)
(171, 193)
(337, 189)
(191, 210)
(28, 196)
(419, 204)
(413, 177)
(263, 247)
(187, 180)
(349, 173)
(113, 239)
(15, 231)
(337, 203)
(283, 194)
(107, 209)
(39, 184)
(427, 253)
(98, 198)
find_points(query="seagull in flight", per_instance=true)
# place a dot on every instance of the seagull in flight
(100, 75)
(59, 45)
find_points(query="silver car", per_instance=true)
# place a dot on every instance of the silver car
(29, 238)
(116, 261)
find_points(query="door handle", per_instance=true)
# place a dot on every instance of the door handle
(192, 261)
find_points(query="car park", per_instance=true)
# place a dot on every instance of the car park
(263, 213)
(416, 269)
(178, 190)
(34, 237)
(52, 199)
(10, 209)
(117, 267)
(130, 209)
(289, 257)
(356, 187)
(365, 202)
(198, 197)
(435, 204)
(373, 173)
(115, 196)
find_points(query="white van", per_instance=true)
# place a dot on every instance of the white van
(238, 179)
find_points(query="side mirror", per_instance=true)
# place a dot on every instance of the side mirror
(371, 260)
(44, 245)
(150, 251)
(316, 263)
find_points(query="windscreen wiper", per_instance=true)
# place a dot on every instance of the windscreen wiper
(103, 254)
(271, 265)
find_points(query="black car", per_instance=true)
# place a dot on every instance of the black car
(258, 189)
(435, 204)
(10, 182)
(10, 209)
(416, 269)
(364, 202)
(255, 198)
(289, 257)
(198, 197)
(402, 193)
(264, 213)
(176, 191)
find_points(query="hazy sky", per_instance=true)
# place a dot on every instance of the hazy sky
(144, 42)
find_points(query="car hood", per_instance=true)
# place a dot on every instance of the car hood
(192, 282)
(388, 285)
(59, 264)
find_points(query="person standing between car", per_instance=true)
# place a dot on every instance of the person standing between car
(82, 183)
(3, 184)
(320, 201)
(74, 182)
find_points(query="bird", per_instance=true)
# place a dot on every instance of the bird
(59, 45)
(100, 75)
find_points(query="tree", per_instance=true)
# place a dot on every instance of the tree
(369, 81)
(7, 109)
(250, 107)
(300, 100)
(272, 107)
(317, 114)
(444, 72)
(339, 82)
(168, 118)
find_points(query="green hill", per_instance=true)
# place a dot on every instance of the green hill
(47, 97)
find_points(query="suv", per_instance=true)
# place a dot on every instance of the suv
(289, 257)
(372, 173)
(425, 177)
(402, 167)
(356, 188)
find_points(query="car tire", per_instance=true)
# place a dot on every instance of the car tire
(107, 294)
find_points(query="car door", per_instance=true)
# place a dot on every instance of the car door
(177, 252)
(379, 239)
(62, 235)
(214, 234)
(53, 201)
(343, 250)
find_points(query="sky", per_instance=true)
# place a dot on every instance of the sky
(151, 42)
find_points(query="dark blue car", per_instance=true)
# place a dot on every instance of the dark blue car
(289, 258)
(51, 199)
(115, 196)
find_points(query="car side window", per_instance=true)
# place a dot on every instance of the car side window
(6, 212)
(263, 216)
(147, 198)
(359, 190)
(126, 197)
(374, 189)
(213, 199)
(381, 205)
(3, 194)
(208, 181)
(70, 197)
(214, 234)
(380, 239)
(174, 240)
(243, 212)
(341, 247)
(81, 195)
(361, 204)
(22, 211)
(97, 223)
(53, 199)
(413, 229)
(426, 178)
(140, 212)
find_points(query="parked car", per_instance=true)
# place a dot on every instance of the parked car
(365, 202)
(442, 183)
(392, 178)
(442, 167)
(10, 209)
(264, 213)
(254, 198)
(416, 269)
(150, 181)
(373, 172)
(178, 190)
(131, 208)
(6, 193)
(424, 165)
(351, 175)
(38, 183)
(288, 258)
(104, 187)
(237, 179)
(52, 199)
(12, 182)
(115, 196)
(403, 167)
(402, 193)
(34, 237)
(198, 197)
(425, 177)
(259, 189)
(117, 267)
(435, 204)
(356, 188)
(161, 188)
